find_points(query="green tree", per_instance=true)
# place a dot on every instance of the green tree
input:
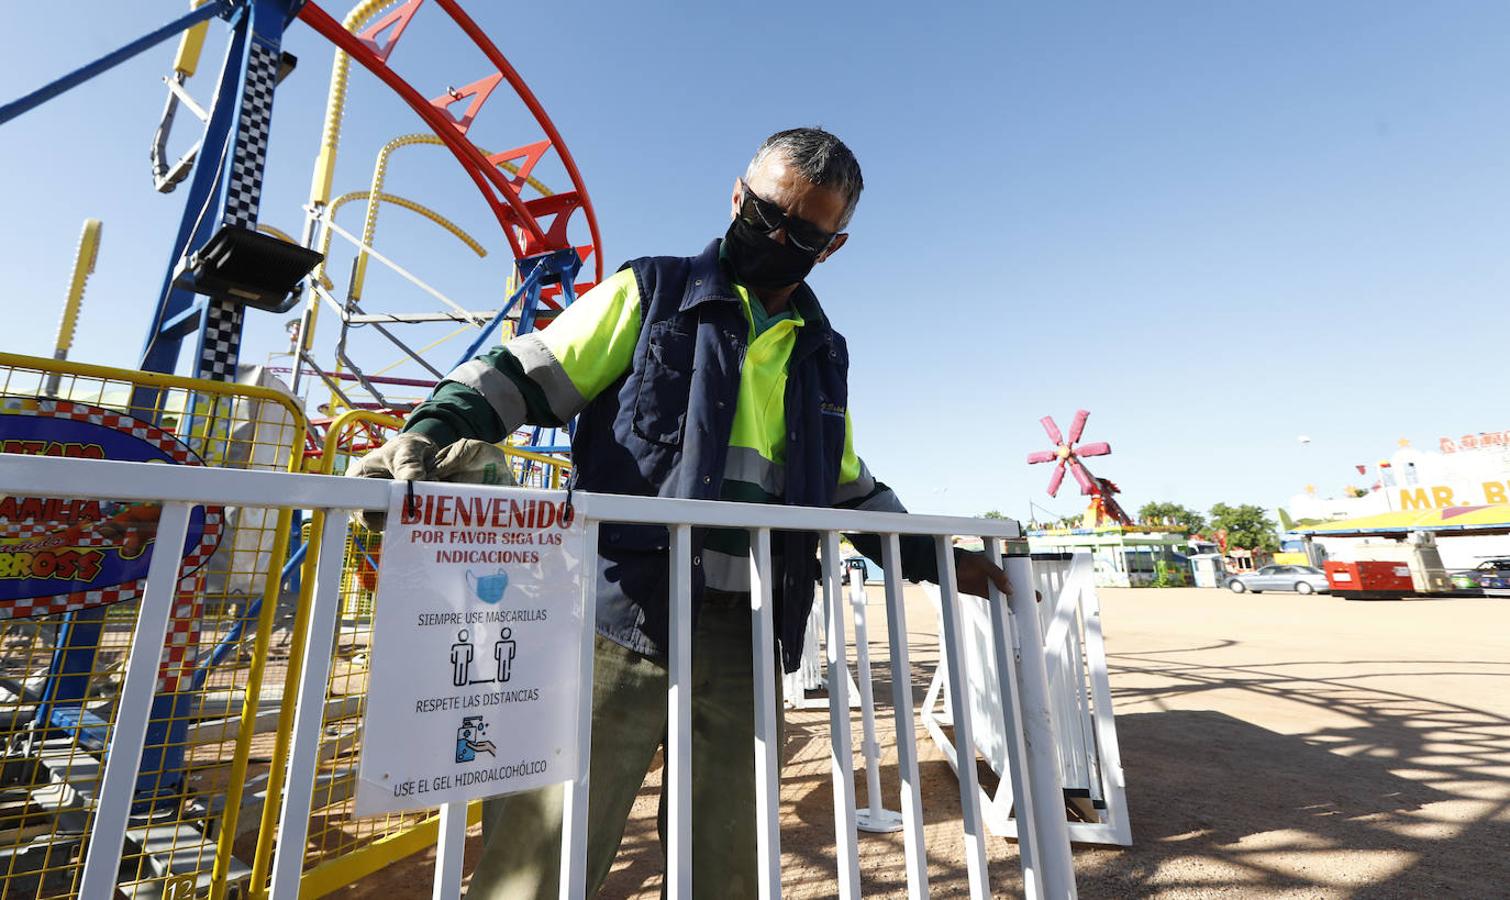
(993, 514)
(1247, 526)
(1172, 512)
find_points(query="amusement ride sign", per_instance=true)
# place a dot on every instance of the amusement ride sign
(475, 684)
(63, 555)
(1484, 440)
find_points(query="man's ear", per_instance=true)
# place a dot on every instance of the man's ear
(833, 248)
(734, 197)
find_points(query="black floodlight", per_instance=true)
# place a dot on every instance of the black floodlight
(248, 267)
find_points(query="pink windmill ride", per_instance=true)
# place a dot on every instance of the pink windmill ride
(1066, 456)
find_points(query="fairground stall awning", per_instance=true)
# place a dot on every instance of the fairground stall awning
(1493, 519)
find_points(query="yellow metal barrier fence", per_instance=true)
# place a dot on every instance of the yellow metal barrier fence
(205, 766)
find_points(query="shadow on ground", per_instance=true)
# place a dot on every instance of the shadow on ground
(1382, 792)
(1411, 799)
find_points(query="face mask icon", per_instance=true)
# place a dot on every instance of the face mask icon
(488, 588)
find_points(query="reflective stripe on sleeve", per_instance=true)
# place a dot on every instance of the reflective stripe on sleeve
(859, 488)
(541, 367)
(885, 500)
(495, 387)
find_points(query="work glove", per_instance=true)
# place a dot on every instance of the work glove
(474, 462)
(405, 457)
(412, 457)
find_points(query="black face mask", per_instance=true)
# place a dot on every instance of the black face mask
(759, 261)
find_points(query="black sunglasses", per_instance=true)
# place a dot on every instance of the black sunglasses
(768, 217)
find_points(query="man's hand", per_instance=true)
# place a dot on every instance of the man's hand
(974, 573)
(406, 457)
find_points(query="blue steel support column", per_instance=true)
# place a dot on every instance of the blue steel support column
(79, 633)
(241, 176)
(172, 319)
(239, 194)
(225, 192)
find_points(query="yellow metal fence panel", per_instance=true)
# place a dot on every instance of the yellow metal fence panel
(220, 688)
(210, 787)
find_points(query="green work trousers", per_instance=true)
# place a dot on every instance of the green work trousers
(522, 832)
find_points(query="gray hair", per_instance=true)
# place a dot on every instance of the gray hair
(821, 158)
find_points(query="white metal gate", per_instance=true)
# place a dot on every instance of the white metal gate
(1024, 686)
(1067, 625)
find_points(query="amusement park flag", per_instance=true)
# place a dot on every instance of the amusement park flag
(475, 681)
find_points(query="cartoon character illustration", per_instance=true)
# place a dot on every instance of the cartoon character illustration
(131, 526)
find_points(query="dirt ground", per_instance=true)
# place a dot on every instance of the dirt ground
(1274, 746)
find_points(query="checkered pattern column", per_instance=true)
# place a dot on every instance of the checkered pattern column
(176, 669)
(220, 344)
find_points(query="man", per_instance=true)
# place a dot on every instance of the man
(709, 377)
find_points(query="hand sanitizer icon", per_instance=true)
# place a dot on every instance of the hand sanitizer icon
(469, 740)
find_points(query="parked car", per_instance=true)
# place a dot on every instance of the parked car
(1301, 579)
(873, 574)
(1491, 573)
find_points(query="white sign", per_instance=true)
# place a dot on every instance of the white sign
(475, 680)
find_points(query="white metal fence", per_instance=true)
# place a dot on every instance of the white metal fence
(1090, 758)
(1023, 685)
(1068, 627)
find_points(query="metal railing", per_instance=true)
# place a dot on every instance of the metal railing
(219, 684)
(1033, 767)
(1079, 692)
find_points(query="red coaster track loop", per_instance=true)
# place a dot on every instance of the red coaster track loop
(499, 190)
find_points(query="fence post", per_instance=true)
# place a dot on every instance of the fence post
(272, 589)
(768, 747)
(914, 849)
(953, 640)
(1046, 818)
(678, 781)
(875, 818)
(846, 849)
(309, 715)
(1106, 729)
(1008, 663)
(272, 803)
(448, 855)
(106, 838)
(574, 803)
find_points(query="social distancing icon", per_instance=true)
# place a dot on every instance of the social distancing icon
(464, 653)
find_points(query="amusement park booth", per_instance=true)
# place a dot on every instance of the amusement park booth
(1432, 544)
(1124, 555)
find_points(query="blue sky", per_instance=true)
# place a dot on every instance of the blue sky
(1215, 225)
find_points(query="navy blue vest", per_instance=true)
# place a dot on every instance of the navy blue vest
(662, 430)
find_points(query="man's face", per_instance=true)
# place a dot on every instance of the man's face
(773, 180)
